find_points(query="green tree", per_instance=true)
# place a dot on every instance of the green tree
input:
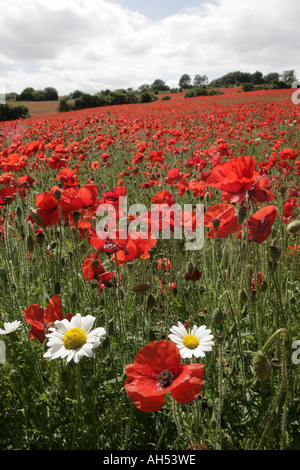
(257, 78)
(185, 81)
(11, 113)
(50, 94)
(270, 77)
(159, 85)
(288, 76)
(200, 80)
(27, 94)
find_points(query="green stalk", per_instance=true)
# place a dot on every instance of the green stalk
(78, 407)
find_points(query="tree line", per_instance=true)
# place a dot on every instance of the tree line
(197, 86)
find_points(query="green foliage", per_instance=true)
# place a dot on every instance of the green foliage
(159, 85)
(185, 81)
(147, 97)
(248, 87)
(203, 91)
(30, 94)
(64, 105)
(11, 113)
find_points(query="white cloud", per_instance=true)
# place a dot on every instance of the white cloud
(92, 45)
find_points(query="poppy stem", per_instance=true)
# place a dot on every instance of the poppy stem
(163, 431)
(78, 408)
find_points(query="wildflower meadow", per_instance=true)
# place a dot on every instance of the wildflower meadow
(149, 273)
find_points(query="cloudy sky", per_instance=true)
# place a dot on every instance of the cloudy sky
(92, 45)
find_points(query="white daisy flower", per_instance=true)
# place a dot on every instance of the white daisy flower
(10, 327)
(73, 339)
(195, 342)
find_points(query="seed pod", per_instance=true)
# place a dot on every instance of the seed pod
(294, 226)
(140, 287)
(217, 317)
(30, 243)
(275, 252)
(216, 223)
(242, 214)
(243, 296)
(261, 365)
(57, 194)
(151, 300)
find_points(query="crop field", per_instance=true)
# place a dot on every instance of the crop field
(149, 276)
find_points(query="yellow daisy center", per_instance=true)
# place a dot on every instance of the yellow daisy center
(190, 341)
(74, 338)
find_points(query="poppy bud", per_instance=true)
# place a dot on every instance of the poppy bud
(76, 216)
(151, 301)
(242, 214)
(202, 290)
(57, 288)
(141, 287)
(19, 212)
(282, 190)
(264, 286)
(8, 200)
(36, 217)
(217, 317)
(261, 365)
(243, 296)
(40, 238)
(30, 244)
(275, 252)
(294, 226)
(281, 399)
(207, 197)
(190, 268)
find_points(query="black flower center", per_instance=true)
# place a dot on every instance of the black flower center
(165, 378)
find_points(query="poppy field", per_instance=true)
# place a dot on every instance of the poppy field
(183, 336)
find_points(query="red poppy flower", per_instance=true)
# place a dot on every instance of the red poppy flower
(234, 176)
(163, 197)
(47, 208)
(40, 318)
(76, 199)
(68, 178)
(156, 370)
(135, 248)
(92, 267)
(173, 175)
(260, 223)
(107, 280)
(7, 192)
(195, 276)
(224, 214)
